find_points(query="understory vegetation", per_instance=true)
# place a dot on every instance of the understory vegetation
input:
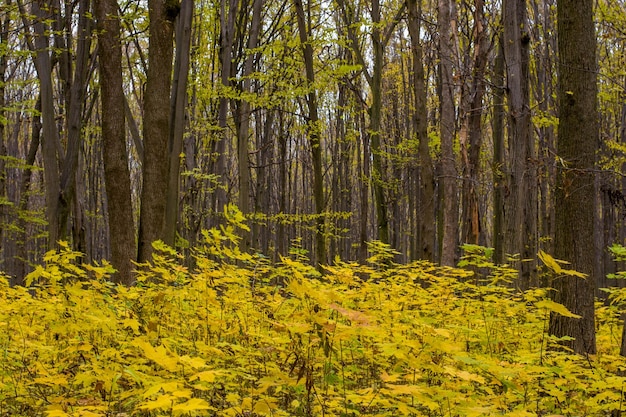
(234, 336)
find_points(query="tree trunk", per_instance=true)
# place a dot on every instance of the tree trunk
(50, 134)
(4, 216)
(177, 118)
(470, 148)
(497, 166)
(156, 125)
(314, 131)
(378, 180)
(521, 207)
(577, 142)
(426, 183)
(227, 35)
(20, 263)
(243, 115)
(447, 16)
(76, 98)
(115, 155)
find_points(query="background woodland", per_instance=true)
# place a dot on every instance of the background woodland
(420, 124)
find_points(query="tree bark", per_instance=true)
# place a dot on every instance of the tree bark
(497, 167)
(521, 207)
(177, 118)
(470, 148)
(577, 142)
(243, 116)
(4, 216)
(227, 35)
(314, 132)
(449, 241)
(115, 155)
(76, 97)
(50, 134)
(426, 183)
(378, 180)
(156, 125)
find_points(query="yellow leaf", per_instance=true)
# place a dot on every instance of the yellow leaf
(163, 401)
(265, 406)
(133, 324)
(246, 403)
(84, 412)
(554, 266)
(205, 376)
(550, 262)
(354, 316)
(183, 393)
(195, 363)
(167, 388)
(57, 412)
(556, 308)
(194, 404)
(158, 354)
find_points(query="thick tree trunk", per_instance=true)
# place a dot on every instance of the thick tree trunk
(115, 155)
(156, 125)
(449, 243)
(577, 142)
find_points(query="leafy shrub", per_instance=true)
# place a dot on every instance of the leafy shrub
(236, 337)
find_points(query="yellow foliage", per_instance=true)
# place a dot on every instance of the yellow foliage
(239, 337)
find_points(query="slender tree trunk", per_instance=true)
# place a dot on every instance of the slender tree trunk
(521, 208)
(470, 149)
(50, 134)
(76, 94)
(4, 216)
(177, 118)
(364, 174)
(499, 179)
(577, 142)
(262, 232)
(115, 156)
(544, 97)
(21, 258)
(378, 181)
(243, 120)
(447, 15)
(426, 182)
(156, 125)
(227, 35)
(314, 131)
(380, 36)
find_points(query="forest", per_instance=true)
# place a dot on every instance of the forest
(312, 207)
